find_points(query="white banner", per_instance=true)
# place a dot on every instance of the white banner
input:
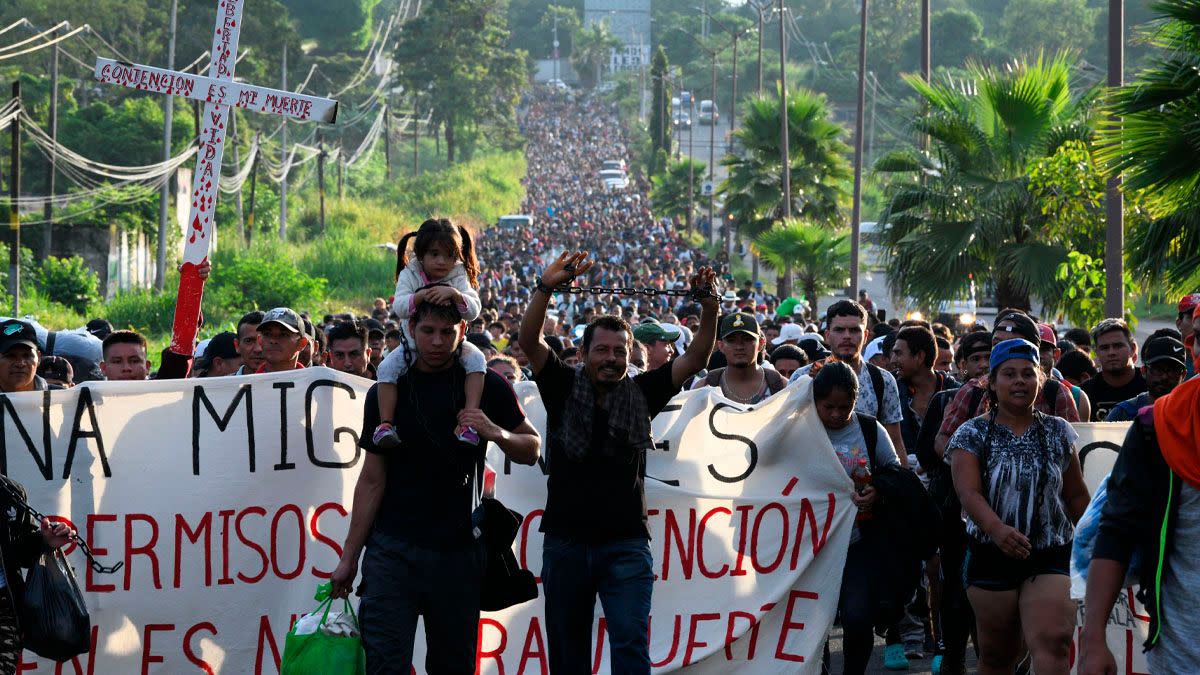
(1128, 624)
(226, 500)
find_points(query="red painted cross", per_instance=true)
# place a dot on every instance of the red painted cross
(219, 92)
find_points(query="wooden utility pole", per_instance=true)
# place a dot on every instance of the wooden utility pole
(283, 149)
(14, 213)
(783, 119)
(321, 177)
(253, 185)
(416, 137)
(164, 194)
(341, 169)
(237, 163)
(1114, 202)
(387, 137)
(48, 208)
(856, 215)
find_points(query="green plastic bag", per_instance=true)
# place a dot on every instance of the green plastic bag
(321, 654)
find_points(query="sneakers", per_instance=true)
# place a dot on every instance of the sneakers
(936, 665)
(914, 650)
(894, 658)
(467, 435)
(385, 437)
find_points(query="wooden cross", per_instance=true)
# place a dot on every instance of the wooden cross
(219, 92)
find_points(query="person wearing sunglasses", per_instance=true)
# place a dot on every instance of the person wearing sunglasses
(1018, 476)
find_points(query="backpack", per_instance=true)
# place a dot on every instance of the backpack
(877, 384)
(1049, 396)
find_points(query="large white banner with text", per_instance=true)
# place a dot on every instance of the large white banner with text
(227, 501)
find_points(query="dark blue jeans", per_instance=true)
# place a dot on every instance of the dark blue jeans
(402, 581)
(573, 574)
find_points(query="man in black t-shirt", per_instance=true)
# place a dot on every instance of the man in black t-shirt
(1118, 380)
(413, 505)
(597, 434)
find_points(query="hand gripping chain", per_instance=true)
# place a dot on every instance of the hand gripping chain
(39, 516)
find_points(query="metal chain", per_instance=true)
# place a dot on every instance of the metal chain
(693, 293)
(87, 550)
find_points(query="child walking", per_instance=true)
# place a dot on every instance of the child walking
(444, 272)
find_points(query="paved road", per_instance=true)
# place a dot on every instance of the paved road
(915, 667)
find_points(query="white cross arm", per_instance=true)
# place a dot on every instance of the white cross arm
(213, 90)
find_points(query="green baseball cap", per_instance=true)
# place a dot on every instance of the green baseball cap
(650, 331)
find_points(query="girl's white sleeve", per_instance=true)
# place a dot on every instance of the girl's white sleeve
(407, 284)
(470, 307)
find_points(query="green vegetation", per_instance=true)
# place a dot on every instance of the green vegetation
(820, 256)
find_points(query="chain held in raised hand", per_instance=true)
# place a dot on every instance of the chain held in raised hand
(694, 294)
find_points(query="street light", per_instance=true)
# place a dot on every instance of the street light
(856, 216)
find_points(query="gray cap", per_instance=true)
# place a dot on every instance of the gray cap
(285, 317)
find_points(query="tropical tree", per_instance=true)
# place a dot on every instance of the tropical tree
(820, 256)
(669, 195)
(819, 170)
(660, 113)
(1155, 148)
(591, 51)
(967, 208)
(468, 79)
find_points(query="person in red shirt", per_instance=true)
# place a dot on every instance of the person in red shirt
(283, 338)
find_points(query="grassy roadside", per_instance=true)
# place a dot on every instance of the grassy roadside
(341, 269)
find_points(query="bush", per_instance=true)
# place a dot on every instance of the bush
(69, 281)
(260, 277)
(143, 310)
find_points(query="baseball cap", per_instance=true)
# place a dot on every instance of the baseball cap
(729, 296)
(1189, 303)
(223, 345)
(285, 317)
(738, 322)
(374, 326)
(1022, 327)
(789, 332)
(1046, 334)
(14, 332)
(650, 330)
(1162, 349)
(814, 349)
(101, 328)
(1014, 349)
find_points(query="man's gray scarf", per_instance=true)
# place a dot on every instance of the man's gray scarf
(628, 420)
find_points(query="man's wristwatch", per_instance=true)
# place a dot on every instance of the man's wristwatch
(539, 286)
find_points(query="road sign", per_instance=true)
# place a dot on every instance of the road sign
(219, 92)
(707, 188)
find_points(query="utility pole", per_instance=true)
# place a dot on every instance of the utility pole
(253, 185)
(926, 52)
(237, 162)
(760, 9)
(416, 137)
(14, 212)
(871, 131)
(321, 176)
(733, 99)
(341, 168)
(387, 136)
(691, 160)
(164, 195)
(283, 150)
(48, 209)
(856, 216)
(555, 49)
(712, 148)
(783, 119)
(1114, 202)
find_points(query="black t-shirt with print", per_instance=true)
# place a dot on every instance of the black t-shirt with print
(596, 499)
(429, 492)
(1105, 397)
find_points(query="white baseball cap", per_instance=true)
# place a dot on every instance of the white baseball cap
(789, 332)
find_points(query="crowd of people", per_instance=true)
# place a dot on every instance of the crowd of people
(979, 420)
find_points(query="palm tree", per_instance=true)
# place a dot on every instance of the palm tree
(966, 208)
(669, 195)
(1155, 147)
(820, 256)
(819, 169)
(592, 49)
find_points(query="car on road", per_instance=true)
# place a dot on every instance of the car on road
(514, 221)
(682, 120)
(615, 180)
(708, 112)
(614, 165)
(558, 84)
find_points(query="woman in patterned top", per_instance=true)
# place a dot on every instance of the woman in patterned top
(1019, 479)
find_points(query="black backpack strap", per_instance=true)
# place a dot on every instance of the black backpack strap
(977, 394)
(51, 338)
(775, 382)
(870, 432)
(876, 384)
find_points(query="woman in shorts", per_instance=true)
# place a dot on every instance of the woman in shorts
(1020, 483)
